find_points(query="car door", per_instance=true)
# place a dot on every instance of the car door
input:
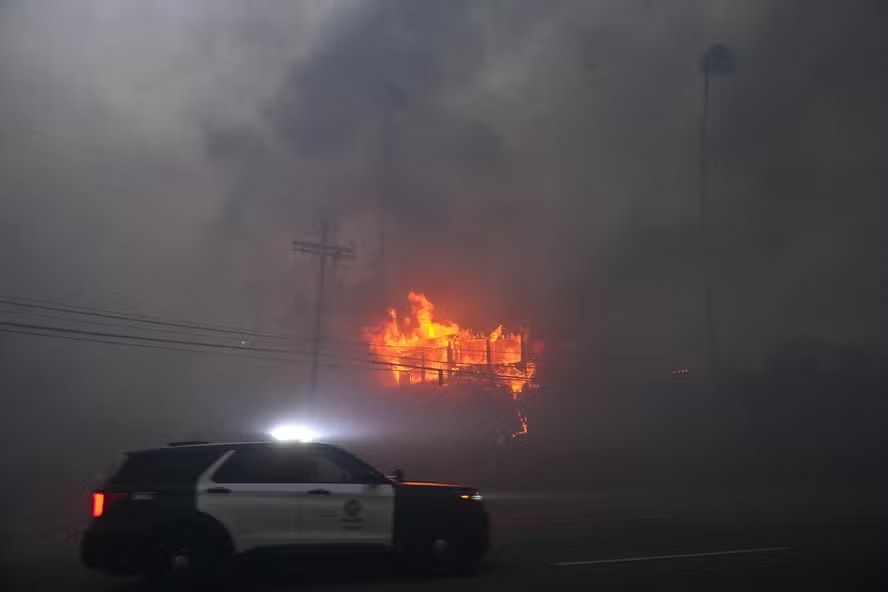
(344, 502)
(253, 493)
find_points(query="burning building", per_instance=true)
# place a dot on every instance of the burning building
(421, 348)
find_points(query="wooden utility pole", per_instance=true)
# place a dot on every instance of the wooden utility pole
(323, 250)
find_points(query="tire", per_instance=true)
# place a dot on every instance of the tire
(447, 553)
(185, 559)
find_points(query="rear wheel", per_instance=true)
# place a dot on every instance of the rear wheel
(185, 560)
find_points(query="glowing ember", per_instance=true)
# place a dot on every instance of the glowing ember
(424, 349)
(523, 419)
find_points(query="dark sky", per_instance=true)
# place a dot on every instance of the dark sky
(534, 162)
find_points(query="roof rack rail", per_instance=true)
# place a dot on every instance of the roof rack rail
(187, 442)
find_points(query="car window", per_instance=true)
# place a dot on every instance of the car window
(332, 467)
(163, 468)
(325, 470)
(263, 466)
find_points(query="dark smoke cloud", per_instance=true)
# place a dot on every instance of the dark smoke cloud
(559, 151)
(389, 58)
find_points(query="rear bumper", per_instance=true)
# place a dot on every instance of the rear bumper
(111, 554)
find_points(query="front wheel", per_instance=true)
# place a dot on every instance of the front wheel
(448, 553)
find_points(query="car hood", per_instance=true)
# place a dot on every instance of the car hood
(433, 488)
(432, 484)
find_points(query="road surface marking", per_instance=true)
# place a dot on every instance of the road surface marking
(679, 556)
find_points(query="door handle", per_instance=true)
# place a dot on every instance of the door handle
(218, 490)
(318, 492)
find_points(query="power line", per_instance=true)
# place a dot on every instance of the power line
(37, 304)
(146, 338)
(54, 306)
(457, 370)
(132, 317)
(427, 361)
(174, 331)
(410, 347)
(239, 346)
(163, 340)
(115, 325)
(217, 353)
(227, 354)
(352, 354)
(99, 323)
(20, 327)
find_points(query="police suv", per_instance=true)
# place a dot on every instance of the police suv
(185, 512)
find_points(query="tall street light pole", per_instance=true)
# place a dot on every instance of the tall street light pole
(718, 59)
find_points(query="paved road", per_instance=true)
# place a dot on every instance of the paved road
(613, 540)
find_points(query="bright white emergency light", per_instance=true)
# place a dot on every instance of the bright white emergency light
(293, 433)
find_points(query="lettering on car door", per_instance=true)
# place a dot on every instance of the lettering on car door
(345, 502)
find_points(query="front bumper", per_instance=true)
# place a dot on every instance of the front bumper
(479, 534)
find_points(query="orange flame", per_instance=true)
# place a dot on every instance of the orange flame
(424, 349)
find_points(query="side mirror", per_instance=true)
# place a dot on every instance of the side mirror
(396, 475)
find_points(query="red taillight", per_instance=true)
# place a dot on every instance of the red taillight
(101, 501)
(98, 505)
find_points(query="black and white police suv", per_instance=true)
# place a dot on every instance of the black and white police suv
(187, 511)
